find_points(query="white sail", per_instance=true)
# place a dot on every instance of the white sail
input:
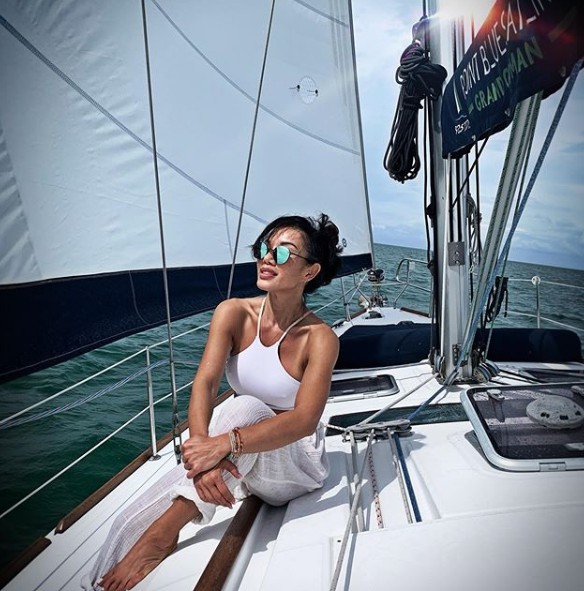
(80, 225)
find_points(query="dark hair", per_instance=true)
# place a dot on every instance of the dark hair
(322, 244)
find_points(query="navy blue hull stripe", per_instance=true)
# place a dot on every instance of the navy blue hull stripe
(48, 322)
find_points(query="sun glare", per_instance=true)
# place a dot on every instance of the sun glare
(475, 9)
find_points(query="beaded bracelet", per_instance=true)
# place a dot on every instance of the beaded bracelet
(236, 443)
(239, 442)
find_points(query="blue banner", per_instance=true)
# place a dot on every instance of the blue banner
(522, 48)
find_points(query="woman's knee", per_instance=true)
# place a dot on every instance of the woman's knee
(241, 411)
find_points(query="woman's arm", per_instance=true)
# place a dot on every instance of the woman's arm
(286, 427)
(228, 318)
(210, 484)
(206, 384)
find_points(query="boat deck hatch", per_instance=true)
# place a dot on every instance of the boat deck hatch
(529, 428)
(363, 387)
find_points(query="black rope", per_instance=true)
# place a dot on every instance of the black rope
(419, 79)
(499, 293)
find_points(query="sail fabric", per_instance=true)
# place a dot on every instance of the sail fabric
(522, 48)
(80, 239)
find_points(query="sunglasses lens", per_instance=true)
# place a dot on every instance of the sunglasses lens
(282, 254)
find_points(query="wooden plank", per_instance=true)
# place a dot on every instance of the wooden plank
(222, 560)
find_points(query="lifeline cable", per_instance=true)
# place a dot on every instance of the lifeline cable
(15, 421)
(419, 79)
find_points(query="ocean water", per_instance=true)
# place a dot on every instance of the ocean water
(34, 451)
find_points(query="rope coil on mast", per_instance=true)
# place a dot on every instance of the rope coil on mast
(419, 79)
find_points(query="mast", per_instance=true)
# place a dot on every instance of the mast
(451, 232)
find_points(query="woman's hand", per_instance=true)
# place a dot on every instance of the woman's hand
(201, 453)
(211, 486)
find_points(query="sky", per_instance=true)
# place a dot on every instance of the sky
(552, 228)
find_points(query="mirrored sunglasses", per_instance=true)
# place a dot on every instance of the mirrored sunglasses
(281, 254)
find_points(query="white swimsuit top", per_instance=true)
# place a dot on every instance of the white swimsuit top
(257, 371)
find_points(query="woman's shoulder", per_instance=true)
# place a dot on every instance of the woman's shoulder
(321, 332)
(233, 315)
(238, 307)
(323, 343)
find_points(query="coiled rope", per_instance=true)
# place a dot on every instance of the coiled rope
(419, 79)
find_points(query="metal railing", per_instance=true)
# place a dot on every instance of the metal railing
(407, 283)
(537, 282)
(19, 418)
(24, 416)
(377, 284)
(403, 277)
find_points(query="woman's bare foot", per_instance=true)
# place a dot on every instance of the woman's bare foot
(157, 542)
(148, 552)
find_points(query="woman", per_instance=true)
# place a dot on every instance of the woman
(267, 440)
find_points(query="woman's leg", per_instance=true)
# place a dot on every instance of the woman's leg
(239, 411)
(153, 546)
(131, 524)
(283, 474)
(172, 494)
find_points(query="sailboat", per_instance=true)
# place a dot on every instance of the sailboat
(144, 145)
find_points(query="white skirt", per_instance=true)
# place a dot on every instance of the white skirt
(275, 476)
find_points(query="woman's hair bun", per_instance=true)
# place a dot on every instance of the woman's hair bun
(322, 244)
(328, 252)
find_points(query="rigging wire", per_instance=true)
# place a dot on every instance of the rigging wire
(456, 31)
(477, 153)
(428, 205)
(474, 165)
(465, 349)
(476, 250)
(498, 293)
(430, 182)
(499, 290)
(176, 435)
(519, 210)
(250, 153)
(513, 164)
(352, 514)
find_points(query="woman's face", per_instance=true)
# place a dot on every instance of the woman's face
(295, 272)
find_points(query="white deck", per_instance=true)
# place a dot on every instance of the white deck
(477, 520)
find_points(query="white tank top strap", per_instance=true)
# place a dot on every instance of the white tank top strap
(297, 321)
(286, 331)
(260, 317)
